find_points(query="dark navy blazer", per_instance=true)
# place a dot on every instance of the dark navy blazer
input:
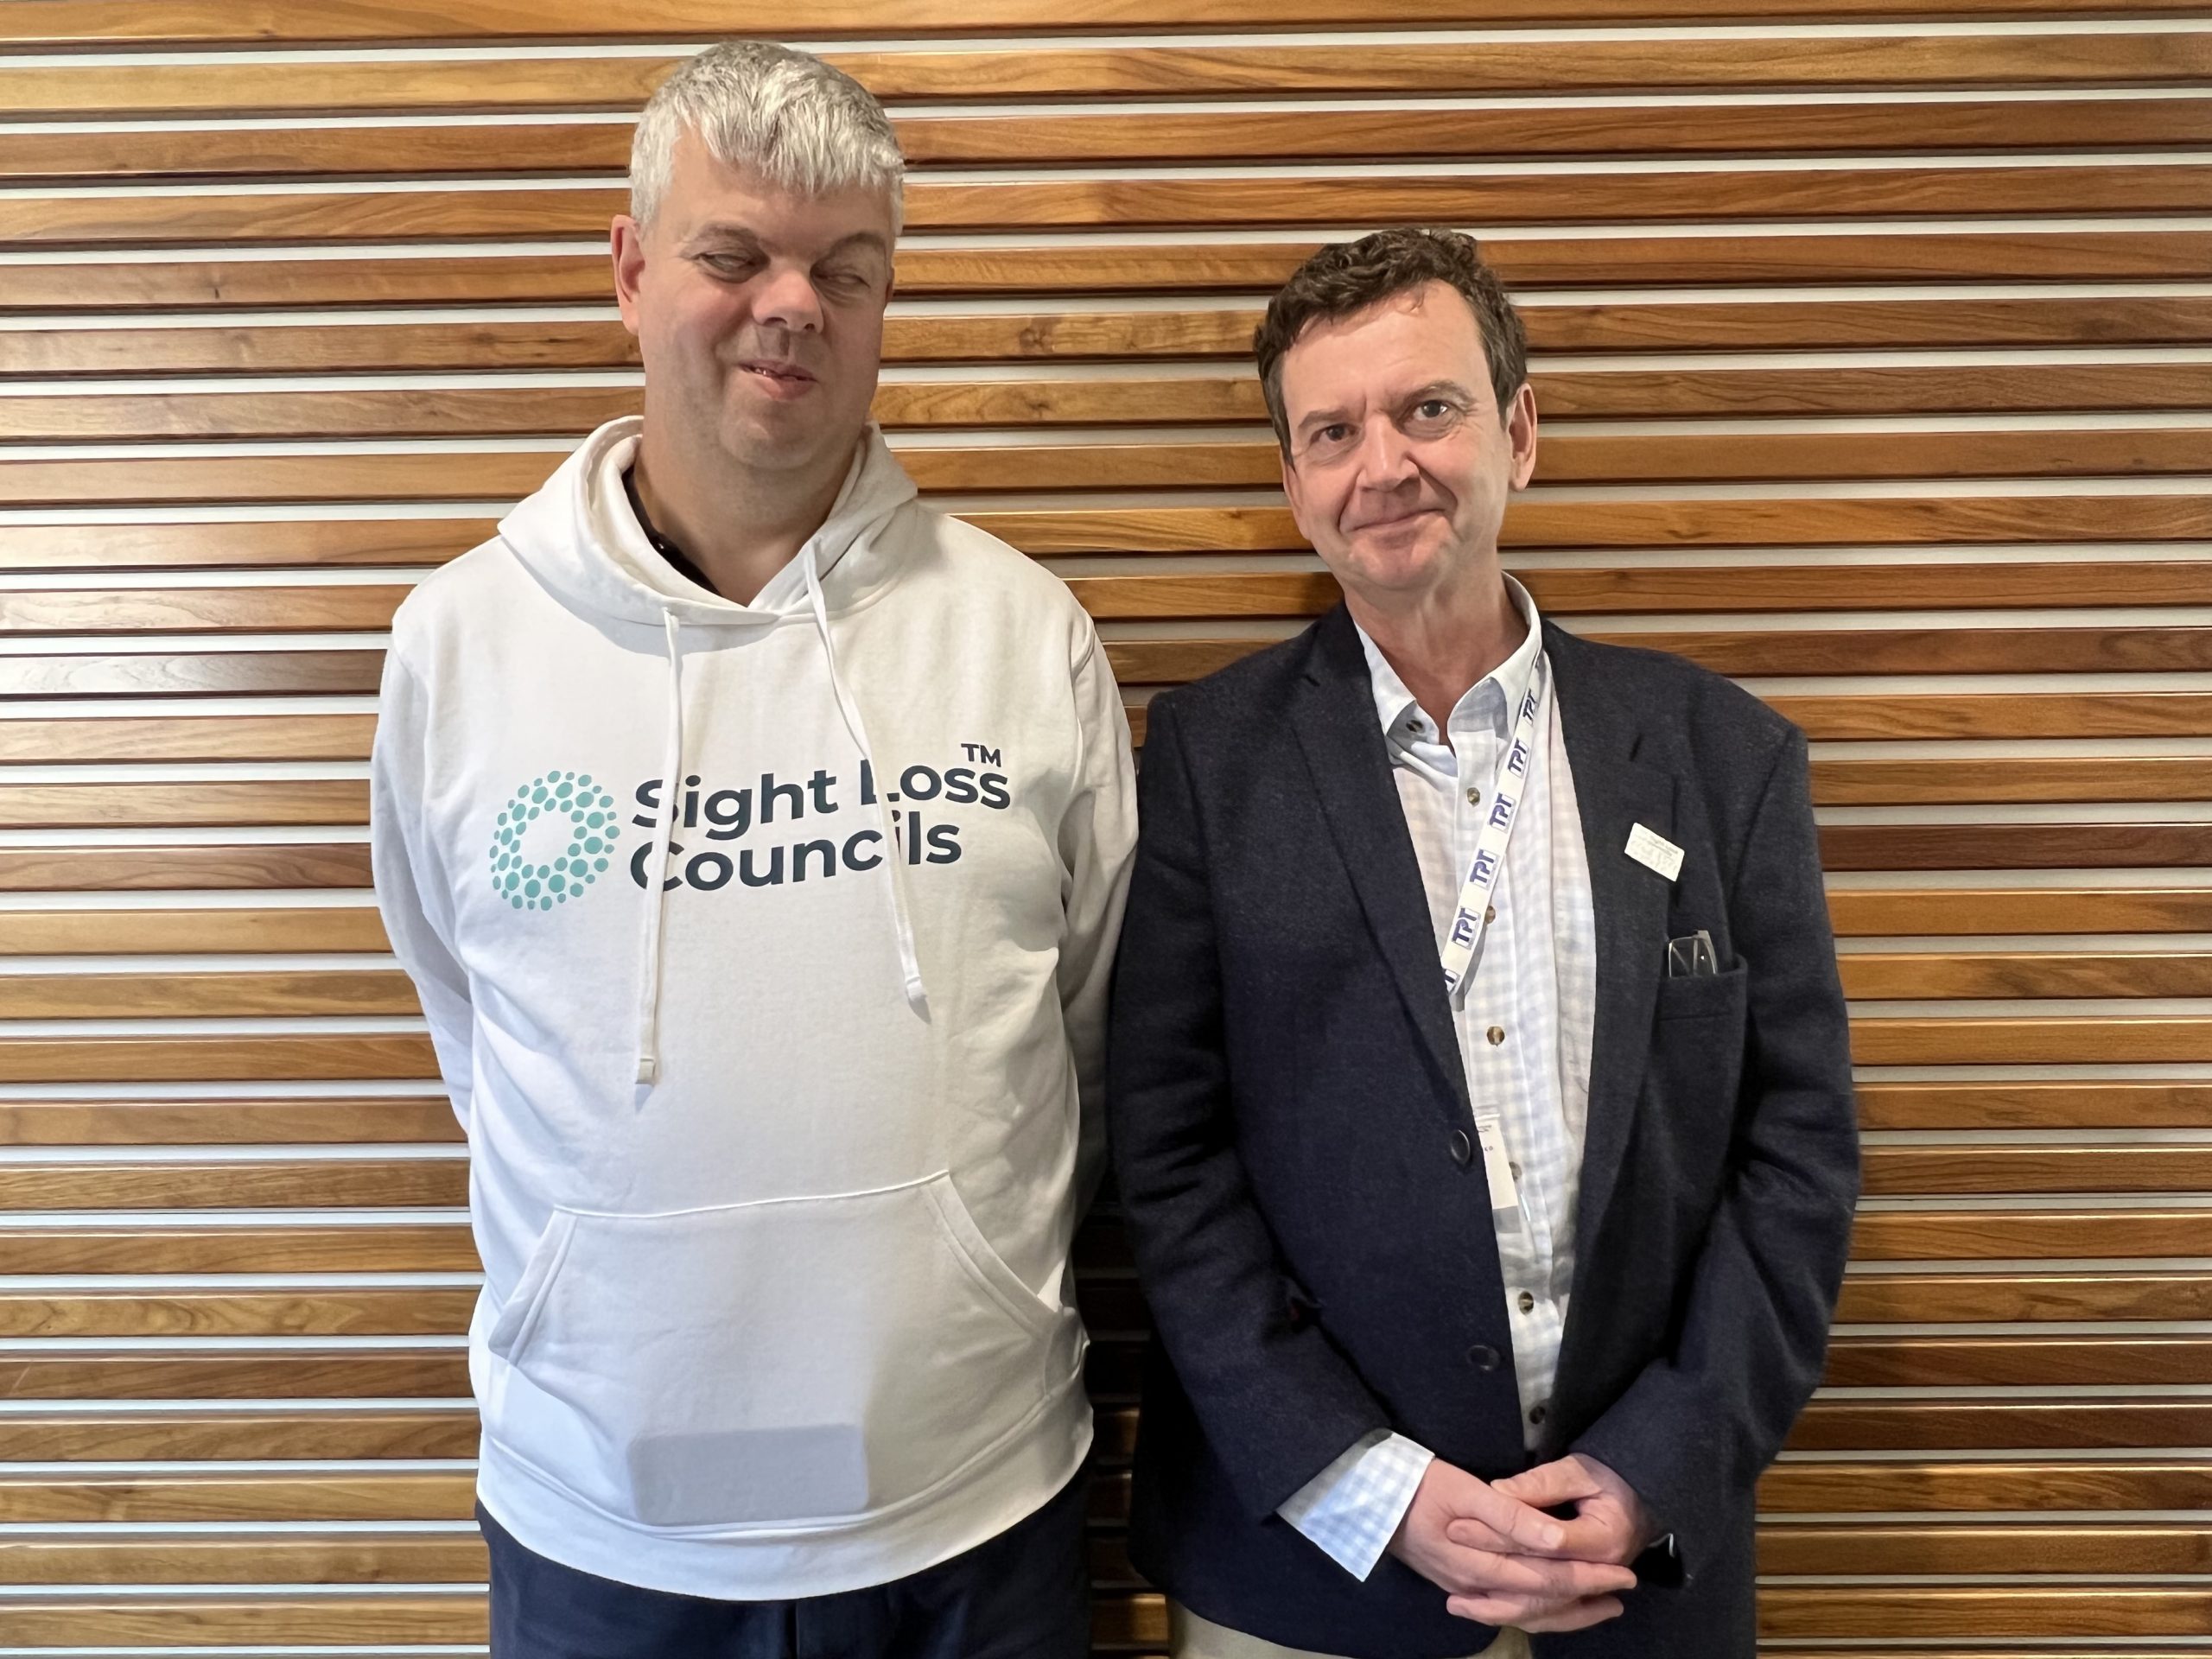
(1286, 1099)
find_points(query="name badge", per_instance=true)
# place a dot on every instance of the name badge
(1654, 851)
(1497, 1168)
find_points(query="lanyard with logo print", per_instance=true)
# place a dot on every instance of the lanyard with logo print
(1466, 935)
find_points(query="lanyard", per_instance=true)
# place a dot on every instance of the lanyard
(1465, 936)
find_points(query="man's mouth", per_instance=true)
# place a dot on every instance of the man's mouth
(786, 375)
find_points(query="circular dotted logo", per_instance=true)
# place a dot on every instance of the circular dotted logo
(593, 827)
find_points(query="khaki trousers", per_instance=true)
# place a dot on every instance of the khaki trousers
(1193, 1637)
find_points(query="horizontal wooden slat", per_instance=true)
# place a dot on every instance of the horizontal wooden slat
(2034, 1105)
(2043, 1361)
(213, 1060)
(381, 1183)
(225, 1620)
(2044, 1235)
(1986, 973)
(2131, 777)
(160, 932)
(2048, 1041)
(2012, 1424)
(1804, 1611)
(1860, 912)
(120, 22)
(1526, 261)
(2014, 846)
(1091, 138)
(143, 869)
(613, 82)
(1629, 326)
(1925, 650)
(291, 1374)
(333, 1120)
(239, 737)
(285, 673)
(288, 801)
(1567, 458)
(184, 995)
(2004, 1297)
(1843, 1486)
(384, 1496)
(401, 1247)
(287, 1558)
(416, 1310)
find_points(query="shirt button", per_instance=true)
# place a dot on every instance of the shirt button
(1515, 1169)
(1483, 1358)
(1474, 797)
(1489, 914)
(1497, 1035)
(1526, 1302)
(1536, 1415)
(1463, 1149)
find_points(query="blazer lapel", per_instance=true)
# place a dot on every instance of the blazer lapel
(1614, 792)
(1334, 719)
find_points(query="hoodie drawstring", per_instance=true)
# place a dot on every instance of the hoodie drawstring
(909, 963)
(657, 862)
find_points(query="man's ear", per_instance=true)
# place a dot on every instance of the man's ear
(626, 246)
(1521, 428)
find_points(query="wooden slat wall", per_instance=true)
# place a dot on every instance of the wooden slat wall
(1874, 340)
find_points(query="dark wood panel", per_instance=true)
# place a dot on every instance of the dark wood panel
(401, 1247)
(2034, 1106)
(2043, 1362)
(2014, 846)
(1997, 1425)
(1920, 911)
(1842, 1487)
(1893, 1169)
(316, 1119)
(383, 1495)
(2077, 713)
(224, 1620)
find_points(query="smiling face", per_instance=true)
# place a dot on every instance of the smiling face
(1400, 460)
(758, 314)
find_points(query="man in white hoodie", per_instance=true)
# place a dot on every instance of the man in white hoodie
(756, 839)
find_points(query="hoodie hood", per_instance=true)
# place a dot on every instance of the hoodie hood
(578, 535)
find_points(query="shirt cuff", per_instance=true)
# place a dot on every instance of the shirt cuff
(1352, 1509)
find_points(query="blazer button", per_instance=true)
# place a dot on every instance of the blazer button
(1463, 1149)
(1483, 1358)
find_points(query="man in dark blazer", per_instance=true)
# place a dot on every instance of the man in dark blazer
(1479, 1082)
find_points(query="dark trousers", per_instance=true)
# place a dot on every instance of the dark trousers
(1025, 1594)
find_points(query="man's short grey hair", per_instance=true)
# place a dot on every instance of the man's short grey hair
(808, 128)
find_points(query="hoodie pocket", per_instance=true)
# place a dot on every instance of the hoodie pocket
(787, 1362)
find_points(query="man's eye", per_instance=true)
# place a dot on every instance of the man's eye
(1433, 408)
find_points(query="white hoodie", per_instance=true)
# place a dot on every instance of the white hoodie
(772, 1101)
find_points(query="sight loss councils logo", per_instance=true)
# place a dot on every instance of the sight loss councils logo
(570, 805)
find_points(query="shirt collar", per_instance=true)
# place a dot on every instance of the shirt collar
(1395, 705)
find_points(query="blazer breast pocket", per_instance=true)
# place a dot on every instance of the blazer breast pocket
(1705, 996)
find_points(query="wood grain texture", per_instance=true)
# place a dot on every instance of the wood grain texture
(2052, 1040)
(185, 995)
(2013, 846)
(2034, 1105)
(188, 869)
(211, 1059)
(302, 1557)
(2014, 973)
(413, 1245)
(76, 806)
(256, 1183)
(370, 1120)
(440, 1373)
(416, 1310)
(181, 22)
(160, 932)
(1861, 912)
(2040, 1235)
(1526, 261)
(520, 84)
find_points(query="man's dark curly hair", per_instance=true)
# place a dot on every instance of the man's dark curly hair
(1347, 277)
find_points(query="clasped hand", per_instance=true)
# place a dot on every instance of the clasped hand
(1500, 1560)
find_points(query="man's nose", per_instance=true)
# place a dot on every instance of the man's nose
(786, 298)
(1384, 459)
